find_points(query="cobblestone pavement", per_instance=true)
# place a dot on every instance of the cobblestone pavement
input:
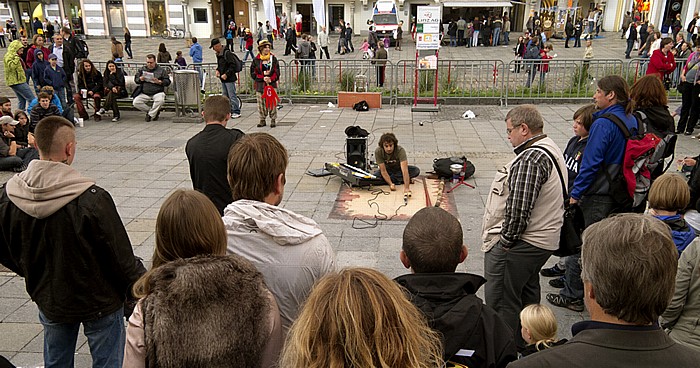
(140, 164)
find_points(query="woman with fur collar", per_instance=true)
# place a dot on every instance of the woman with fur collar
(209, 310)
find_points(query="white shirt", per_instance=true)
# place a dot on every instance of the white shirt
(59, 54)
(297, 18)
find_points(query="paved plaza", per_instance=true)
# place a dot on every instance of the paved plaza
(140, 164)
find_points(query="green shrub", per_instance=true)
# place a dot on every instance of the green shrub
(347, 81)
(426, 81)
(304, 80)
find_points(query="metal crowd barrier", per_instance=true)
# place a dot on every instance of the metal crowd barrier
(478, 79)
(565, 78)
(517, 80)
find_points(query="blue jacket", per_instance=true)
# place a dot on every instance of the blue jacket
(605, 150)
(196, 53)
(55, 100)
(55, 78)
(38, 68)
(682, 233)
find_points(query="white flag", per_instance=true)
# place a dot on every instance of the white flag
(270, 14)
(320, 13)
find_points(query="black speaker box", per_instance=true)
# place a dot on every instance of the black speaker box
(356, 152)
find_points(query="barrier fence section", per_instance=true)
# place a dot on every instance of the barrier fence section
(310, 78)
(478, 79)
(557, 78)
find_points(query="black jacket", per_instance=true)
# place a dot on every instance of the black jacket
(115, 80)
(77, 263)
(450, 303)
(69, 55)
(91, 82)
(207, 153)
(659, 119)
(226, 65)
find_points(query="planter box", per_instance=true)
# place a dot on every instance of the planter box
(348, 99)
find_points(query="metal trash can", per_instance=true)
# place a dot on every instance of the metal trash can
(187, 97)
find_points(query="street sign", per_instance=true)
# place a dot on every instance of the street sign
(428, 15)
(428, 27)
(427, 41)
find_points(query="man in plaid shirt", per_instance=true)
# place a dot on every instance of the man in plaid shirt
(523, 217)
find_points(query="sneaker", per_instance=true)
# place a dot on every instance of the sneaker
(558, 300)
(97, 117)
(155, 118)
(261, 124)
(235, 116)
(558, 282)
(115, 119)
(102, 111)
(148, 117)
(552, 271)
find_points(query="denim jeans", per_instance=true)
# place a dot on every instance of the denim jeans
(106, 337)
(496, 36)
(8, 163)
(506, 37)
(228, 89)
(61, 93)
(24, 94)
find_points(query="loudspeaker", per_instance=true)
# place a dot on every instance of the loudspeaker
(356, 152)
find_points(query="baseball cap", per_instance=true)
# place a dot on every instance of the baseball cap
(8, 120)
(214, 42)
(53, 56)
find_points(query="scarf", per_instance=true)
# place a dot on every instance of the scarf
(265, 58)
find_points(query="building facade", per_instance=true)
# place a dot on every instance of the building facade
(208, 18)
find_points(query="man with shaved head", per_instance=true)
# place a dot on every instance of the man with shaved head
(62, 233)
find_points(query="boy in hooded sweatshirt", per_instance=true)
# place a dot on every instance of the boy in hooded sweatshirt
(668, 196)
(38, 67)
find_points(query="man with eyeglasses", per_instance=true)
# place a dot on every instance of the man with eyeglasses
(523, 217)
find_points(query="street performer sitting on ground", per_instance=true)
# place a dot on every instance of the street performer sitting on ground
(393, 163)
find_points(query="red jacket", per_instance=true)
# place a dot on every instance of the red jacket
(660, 64)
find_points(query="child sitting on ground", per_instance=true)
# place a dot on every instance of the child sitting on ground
(668, 196)
(43, 109)
(539, 329)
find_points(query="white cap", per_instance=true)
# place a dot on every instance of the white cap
(8, 120)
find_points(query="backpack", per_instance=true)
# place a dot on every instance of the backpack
(533, 52)
(361, 106)
(82, 51)
(233, 58)
(441, 166)
(644, 152)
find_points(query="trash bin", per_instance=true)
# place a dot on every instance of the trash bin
(187, 95)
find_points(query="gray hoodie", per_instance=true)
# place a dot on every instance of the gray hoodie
(290, 250)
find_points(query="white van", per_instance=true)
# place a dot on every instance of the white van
(386, 19)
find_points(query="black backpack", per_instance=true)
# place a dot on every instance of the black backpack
(233, 58)
(361, 106)
(441, 166)
(82, 51)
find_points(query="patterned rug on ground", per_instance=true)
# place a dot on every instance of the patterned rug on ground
(378, 202)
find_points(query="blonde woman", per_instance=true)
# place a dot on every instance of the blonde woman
(539, 328)
(360, 318)
(223, 309)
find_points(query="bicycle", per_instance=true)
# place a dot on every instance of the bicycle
(173, 32)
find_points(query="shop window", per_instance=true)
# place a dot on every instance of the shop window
(200, 15)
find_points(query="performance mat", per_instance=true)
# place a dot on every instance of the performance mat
(378, 202)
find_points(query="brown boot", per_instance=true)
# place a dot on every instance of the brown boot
(97, 117)
(261, 124)
(273, 124)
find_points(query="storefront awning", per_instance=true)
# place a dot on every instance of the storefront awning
(477, 4)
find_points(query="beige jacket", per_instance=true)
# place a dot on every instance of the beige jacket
(683, 314)
(546, 218)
